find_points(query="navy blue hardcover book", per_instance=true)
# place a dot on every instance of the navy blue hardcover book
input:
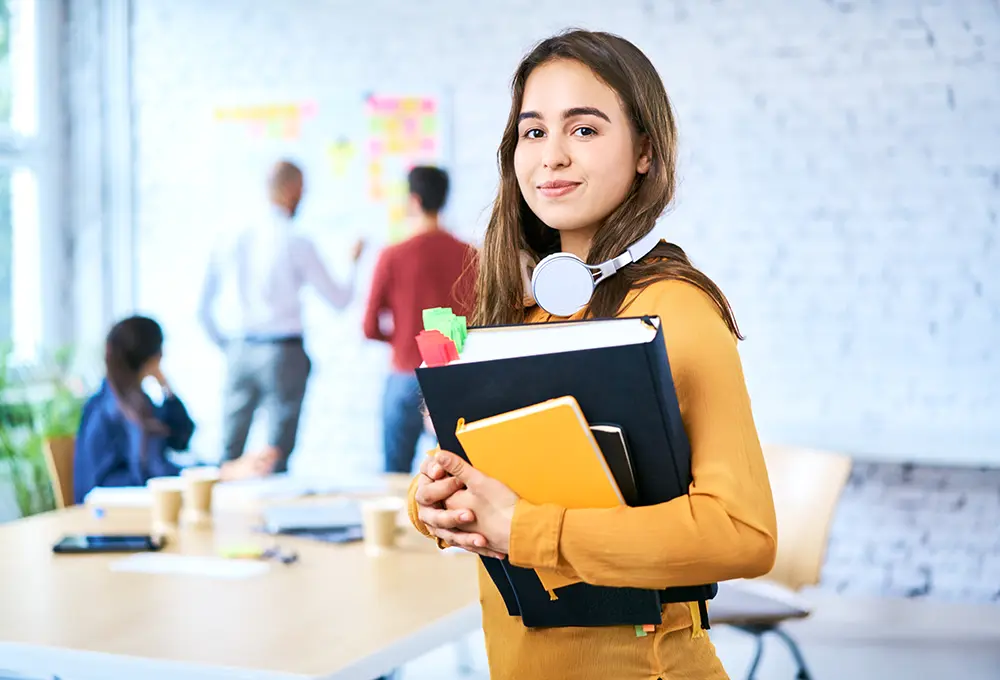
(618, 371)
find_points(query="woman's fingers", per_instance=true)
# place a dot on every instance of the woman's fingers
(458, 500)
(472, 542)
(431, 468)
(431, 493)
(435, 518)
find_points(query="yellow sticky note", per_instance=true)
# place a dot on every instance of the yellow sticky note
(241, 552)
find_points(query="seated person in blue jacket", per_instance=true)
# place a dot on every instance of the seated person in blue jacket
(124, 437)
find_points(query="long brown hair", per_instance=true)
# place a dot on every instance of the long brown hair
(514, 228)
(130, 344)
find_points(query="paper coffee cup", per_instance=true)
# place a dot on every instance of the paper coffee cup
(379, 521)
(198, 485)
(166, 495)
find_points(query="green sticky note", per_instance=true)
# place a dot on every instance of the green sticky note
(443, 320)
(434, 316)
(639, 632)
(459, 331)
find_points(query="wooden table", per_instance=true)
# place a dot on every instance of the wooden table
(336, 613)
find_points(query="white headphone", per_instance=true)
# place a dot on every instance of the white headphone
(562, 283)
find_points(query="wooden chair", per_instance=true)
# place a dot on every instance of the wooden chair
(59, 454)
(806, 485)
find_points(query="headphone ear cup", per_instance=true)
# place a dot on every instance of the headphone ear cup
(562, 284)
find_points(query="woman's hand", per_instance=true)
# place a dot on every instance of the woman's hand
(434, 488)
(155, 371)
(464, 507)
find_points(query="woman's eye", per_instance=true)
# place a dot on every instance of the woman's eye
(533, 133)
(584, 131)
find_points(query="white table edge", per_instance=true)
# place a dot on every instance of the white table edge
(447, 629)
(44, 662)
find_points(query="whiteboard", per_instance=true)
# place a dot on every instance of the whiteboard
(355, 149)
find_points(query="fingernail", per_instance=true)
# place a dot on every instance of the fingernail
(480, 543)
(435, 470)
(465, 517)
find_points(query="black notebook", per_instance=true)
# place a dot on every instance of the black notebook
(618, 371)
(613, 443)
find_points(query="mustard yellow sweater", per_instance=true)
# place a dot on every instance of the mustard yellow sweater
(723, 529)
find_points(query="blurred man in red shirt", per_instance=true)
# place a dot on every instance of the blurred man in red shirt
(431, 268)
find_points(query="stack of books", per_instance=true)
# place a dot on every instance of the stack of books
(581, 414)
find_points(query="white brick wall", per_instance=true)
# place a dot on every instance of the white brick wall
(912, 532)
(840, 178)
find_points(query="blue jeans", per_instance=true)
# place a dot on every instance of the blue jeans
(402, 421)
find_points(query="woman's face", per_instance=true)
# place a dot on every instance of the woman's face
(576, 155)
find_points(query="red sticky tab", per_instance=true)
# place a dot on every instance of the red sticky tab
(648, 627)
(435, 348)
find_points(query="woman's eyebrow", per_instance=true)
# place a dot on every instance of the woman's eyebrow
(585, 111)
(568, 113)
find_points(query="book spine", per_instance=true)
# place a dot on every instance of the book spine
(680, 445)
(669, 407)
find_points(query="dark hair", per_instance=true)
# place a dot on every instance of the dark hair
(130, 344)
(514, 228)
(430, 186)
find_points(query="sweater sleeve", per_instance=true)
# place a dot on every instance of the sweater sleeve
(175, 416)
(412, 509)
(378, 299)
(724, 528)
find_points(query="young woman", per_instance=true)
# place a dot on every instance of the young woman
(587, 164)
(123, 437)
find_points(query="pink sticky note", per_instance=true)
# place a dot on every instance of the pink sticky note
(308, 110)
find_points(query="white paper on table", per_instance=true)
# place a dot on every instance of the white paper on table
(288, 486)
(119, 497)
(187, 565)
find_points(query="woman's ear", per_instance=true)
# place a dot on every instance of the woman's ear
(645, 160)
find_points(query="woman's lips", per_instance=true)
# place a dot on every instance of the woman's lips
(557, 188)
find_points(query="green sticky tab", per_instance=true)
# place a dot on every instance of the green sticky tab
(639, 632)
(459, 331)
(435, 317)
(443, 320)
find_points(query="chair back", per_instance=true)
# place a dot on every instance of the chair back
(59, 453)
(806, 485)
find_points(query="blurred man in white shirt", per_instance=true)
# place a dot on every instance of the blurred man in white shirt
(266, 361)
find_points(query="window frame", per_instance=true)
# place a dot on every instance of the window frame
(42, 153)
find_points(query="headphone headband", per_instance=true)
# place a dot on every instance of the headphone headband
(644, 246)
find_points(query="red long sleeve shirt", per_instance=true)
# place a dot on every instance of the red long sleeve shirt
(431, 269)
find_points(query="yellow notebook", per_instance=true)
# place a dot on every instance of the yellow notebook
(545, 453)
